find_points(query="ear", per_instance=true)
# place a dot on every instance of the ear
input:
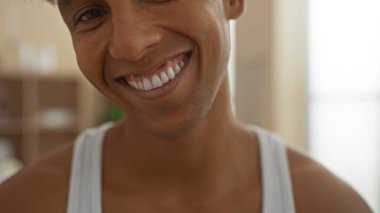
(234, 8)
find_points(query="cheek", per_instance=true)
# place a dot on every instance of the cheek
(214, 48)
(90, 57)
(213, 33)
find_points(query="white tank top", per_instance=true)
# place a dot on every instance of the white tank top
(85, 182)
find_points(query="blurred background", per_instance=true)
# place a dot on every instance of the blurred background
(307, 69)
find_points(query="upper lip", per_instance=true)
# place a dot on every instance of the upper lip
(152, 68)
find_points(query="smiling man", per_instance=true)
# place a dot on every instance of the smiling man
(179, 148)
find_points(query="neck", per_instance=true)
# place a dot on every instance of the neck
(199, 156)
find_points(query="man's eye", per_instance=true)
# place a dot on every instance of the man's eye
(90, 15)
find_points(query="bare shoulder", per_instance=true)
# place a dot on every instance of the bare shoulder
(39, 187)
(318, 190)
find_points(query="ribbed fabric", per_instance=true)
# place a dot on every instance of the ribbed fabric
(278, 193)
(85, 183)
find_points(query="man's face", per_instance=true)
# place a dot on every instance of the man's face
(162, 61)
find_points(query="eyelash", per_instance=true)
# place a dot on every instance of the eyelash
(95, 13)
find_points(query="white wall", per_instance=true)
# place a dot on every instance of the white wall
(271, 67)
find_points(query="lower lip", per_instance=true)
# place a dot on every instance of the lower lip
(162, 91)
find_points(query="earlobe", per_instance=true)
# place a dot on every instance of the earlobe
(234, 8)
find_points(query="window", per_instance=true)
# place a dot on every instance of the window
(344, 91)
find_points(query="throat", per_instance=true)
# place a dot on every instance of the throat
(188, 162)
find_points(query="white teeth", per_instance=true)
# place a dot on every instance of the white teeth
(147, 84)
(181, 64)
(171, 73)
(156, 81)
(164, 78)
(140, 86)
(177, 69)
(135, 85)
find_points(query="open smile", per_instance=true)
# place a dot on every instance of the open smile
(156, 79)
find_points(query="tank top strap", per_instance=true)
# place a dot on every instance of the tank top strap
(277, 184)
(85, 181)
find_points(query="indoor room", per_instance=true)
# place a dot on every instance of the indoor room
(308, 70)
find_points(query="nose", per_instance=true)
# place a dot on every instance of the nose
(132, 36)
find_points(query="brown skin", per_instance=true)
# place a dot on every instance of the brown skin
(183, 152)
